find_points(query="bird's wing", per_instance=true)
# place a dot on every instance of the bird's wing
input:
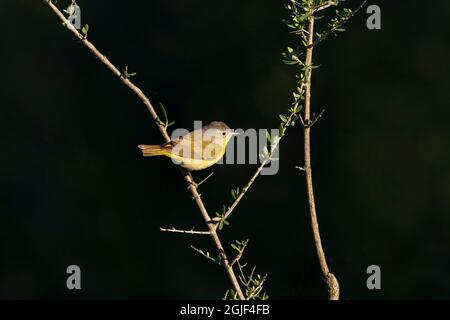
(186, 147)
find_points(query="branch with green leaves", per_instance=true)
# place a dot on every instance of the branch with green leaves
(162, 126)
(301, 23)
(302, 10)
(287, 120)
(336, 24)
(253, 283)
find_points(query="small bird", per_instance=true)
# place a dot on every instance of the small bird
(196, 150)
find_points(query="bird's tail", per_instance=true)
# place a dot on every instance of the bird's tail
(153, 150)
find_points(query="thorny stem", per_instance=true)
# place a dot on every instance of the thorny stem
(333, 284)
(192, 231)
(162, 129)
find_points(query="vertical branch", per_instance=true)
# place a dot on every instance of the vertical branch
(163, 130)
(333, 284)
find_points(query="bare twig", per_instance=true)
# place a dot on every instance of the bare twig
(162, 129)
(326, 5)
(333, 285)
(192, 231)
(242, 276)
(207, 256)
(204, 180)
(310, 123)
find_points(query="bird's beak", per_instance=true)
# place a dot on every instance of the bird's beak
(235, 134)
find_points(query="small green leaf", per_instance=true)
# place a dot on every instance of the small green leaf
(127, 74)
(283, 118)
(235, 193)
(85, 30)
(164, 112)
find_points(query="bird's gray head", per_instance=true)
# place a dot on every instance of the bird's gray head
(220, 126)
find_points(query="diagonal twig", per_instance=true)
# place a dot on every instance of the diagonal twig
(247, 186)
(241, 195)
(204, 180)
(326, 5)
(332, 30)
(206, 255)
(310, 123)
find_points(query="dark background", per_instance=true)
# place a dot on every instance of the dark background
(74, 189)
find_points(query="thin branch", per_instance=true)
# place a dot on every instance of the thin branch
(203, 181)
(192, 231)
(258, 289)
(325, 6)
(240, 253)
(162, 129)
(332, 283)
(206, 255)
(310, 123)
(247, 281)
(332, 30)
(242, 276)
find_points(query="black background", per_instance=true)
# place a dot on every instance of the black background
(74, 188)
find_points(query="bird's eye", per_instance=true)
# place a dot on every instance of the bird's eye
(224, 133)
